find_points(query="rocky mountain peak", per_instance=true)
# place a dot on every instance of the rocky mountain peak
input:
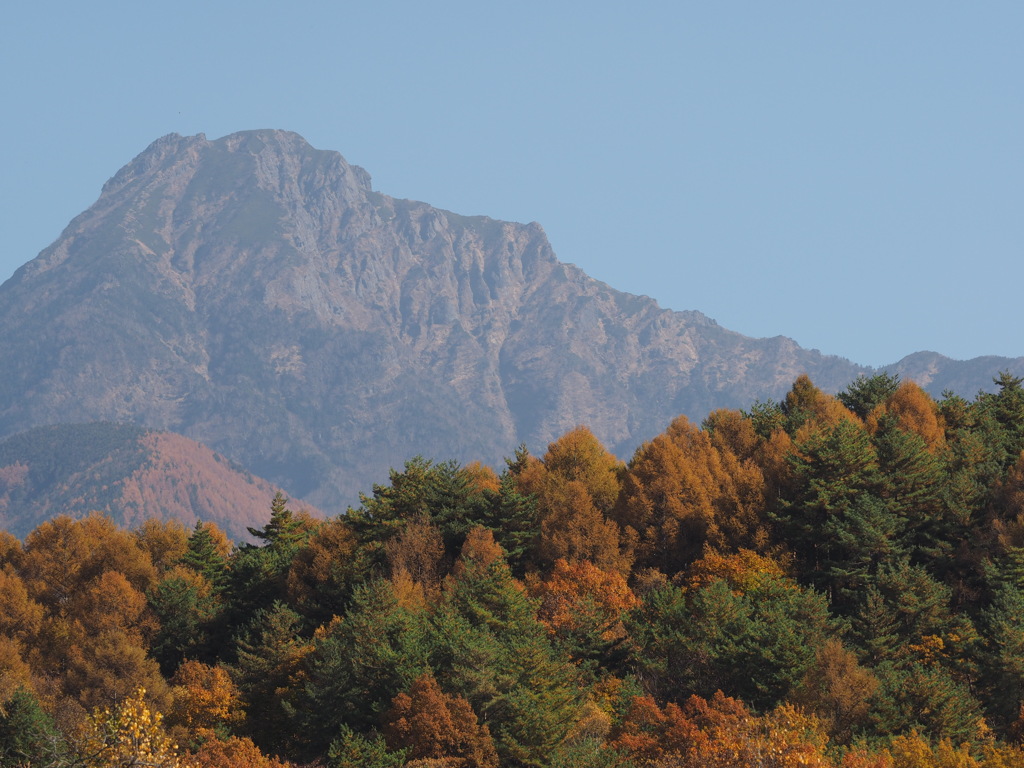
(257, 295)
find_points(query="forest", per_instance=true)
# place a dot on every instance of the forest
(831, 581)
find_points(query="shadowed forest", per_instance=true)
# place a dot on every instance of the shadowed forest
(821, 581)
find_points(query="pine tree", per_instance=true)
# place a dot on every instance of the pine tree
(912, 484)
(835, 470)
(270, 655)
(355, 750)
(187, 609)
(864, 538)
(258, 573)
(204, 556)
(1006, 409)
(755, 645)
(513, 518)
(359, 663)
(766, 417)
(28, 736)
(283, 530)
(875, 628)
(865, 393)
(489, 647)
(1003, 623)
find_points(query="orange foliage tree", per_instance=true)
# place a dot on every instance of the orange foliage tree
(482, 479)
(63, 555)
(320, 576)
(808, 409)
(15, 673)
(417, 553)
(718, 733)
(915, 412)
(20, 615)
(742, 569)
(682, 492)
(205, 703)
(576, 484)
(233, 752)
(572, 587)
(837, 689)
(430, 724)
(583, 606)
(91, 578)
(165, 541)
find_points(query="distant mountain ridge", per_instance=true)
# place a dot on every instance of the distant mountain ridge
(129, 473)
(258, 296)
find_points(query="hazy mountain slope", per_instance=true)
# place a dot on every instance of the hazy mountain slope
(257, 295)
(938, 373)
(129, 473)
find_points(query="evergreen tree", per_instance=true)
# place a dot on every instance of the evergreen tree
(354, 750)
(258, 572)
(514, 520)
(755, 645)
(912, 483)
(269, 658)
(28, 737)
(875, 628)
(767, 417)
(283, 531)
(455, 504)
(924, 698)
(489, 647)
(1006, 409)
(1003, 623)
(187, 609)
(863, 538)
(359, 663)
(906, 618)
(836, 473)
(865, 393)
(442, 492)
(204, 557)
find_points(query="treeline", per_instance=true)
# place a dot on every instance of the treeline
(822, 581)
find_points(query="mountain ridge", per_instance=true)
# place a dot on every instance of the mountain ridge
(257, 295)
(129, 473)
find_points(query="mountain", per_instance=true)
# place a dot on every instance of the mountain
(258, 296)
(128, 472)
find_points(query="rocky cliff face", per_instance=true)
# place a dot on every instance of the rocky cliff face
(257, 295)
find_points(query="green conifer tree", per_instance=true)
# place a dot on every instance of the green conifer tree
(28, 737)
(488, 645)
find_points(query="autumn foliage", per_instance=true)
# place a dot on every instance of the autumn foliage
(428, 724)
(832, 581)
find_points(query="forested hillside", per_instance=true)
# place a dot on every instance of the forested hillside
(821, 581)
(128, 472)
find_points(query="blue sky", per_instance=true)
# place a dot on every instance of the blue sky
(846, 174)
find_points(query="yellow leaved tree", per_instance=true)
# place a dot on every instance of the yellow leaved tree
(128, 735)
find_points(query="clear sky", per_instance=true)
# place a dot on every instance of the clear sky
(846, 174)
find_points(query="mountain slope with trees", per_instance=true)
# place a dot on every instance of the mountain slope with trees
(127, 472)
(258, 296)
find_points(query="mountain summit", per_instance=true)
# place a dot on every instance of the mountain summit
(257, 295)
